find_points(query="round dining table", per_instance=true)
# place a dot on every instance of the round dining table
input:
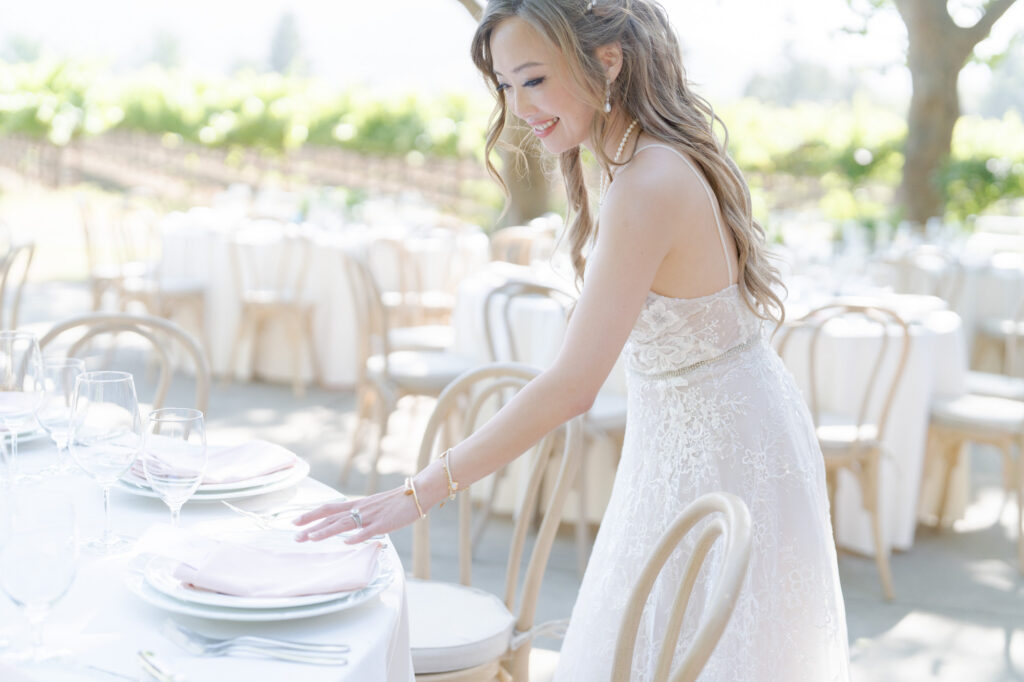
(102, 623)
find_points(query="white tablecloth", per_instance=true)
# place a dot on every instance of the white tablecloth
(197, 245)
(106, 624)
(936, 366)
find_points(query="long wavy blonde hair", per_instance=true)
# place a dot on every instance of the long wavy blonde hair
(651, 88)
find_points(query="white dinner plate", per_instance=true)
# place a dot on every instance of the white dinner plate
(159, 574)
(266, 479)
(141, 587)
(295, 475)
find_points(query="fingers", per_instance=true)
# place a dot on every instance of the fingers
(321, 512)
(326, 528)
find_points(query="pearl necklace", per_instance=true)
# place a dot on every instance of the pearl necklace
(618, 154)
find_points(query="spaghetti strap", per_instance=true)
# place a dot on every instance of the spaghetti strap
(707, 190)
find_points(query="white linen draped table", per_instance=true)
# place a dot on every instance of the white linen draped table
(197, 245)
(936, 366)
(538, 327)
(106, 624)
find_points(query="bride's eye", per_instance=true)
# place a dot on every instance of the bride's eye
(534, 82)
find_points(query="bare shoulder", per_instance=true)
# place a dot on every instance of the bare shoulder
(655, 189)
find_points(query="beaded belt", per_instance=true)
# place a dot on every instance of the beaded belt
(672, 373)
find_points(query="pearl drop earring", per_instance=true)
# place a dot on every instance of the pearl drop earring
(607, 95)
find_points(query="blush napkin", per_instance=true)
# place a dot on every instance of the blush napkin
(234, 463)
(264, 563)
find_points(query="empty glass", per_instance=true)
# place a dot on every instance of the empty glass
(106, 435)
(38, 560)
(174, 455)
(54, 413)
(21, 371)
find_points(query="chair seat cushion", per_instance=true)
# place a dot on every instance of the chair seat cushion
(421, 372)
(452, 627)
(424, 337)
(835, 435)
(1000, 415)
(998, 385)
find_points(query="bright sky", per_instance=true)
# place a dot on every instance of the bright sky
(423, 44)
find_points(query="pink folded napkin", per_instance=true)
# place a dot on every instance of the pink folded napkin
(230, 464)
(248, 571)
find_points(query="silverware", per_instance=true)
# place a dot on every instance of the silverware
(299, 652)
(265, 519)
(156, 669)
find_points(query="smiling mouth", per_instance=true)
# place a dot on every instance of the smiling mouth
(541, 128)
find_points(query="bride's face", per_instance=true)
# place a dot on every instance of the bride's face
(537, 85)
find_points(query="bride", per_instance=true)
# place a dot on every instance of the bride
(677, 280)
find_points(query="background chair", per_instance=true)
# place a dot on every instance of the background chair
(271, 280)
(409, 300)
(459, 633)
(163, 336)
(854, 442)
(386, 373)
(730, 522)
(606, 419)
(14, 267)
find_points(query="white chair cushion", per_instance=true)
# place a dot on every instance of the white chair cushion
(608, 412)
(422, 372)
(999, 415)
(841, 436)
(425, 337)
(453, 627)
(998, 385)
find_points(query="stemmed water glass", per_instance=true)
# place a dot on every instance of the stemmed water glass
(174, 455)
(38, 560)
(54, 413)
(106, 434)
(21, 373)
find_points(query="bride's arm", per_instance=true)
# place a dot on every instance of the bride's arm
(633, 242)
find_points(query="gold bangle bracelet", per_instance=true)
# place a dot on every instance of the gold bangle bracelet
(453, 485)
(410, 489)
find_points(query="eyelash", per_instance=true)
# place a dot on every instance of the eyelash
(532, 83)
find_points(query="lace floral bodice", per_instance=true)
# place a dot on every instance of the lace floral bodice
(673, 333)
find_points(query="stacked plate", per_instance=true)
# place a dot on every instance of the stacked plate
(26, 435)
(135, 484)
(158, 586)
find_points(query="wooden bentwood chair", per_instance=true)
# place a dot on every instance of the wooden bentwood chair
(730, 522)
(163, 335)
(385, 373)
(463, 634)
(854, 442)
(14, 267)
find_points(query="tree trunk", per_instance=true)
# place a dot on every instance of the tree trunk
(937, 51)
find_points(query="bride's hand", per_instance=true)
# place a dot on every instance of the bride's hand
(374, 515)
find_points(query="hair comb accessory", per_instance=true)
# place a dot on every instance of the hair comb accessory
(590, 5)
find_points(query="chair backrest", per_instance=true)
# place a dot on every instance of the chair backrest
(372, 322)
(514, 244)
(466, 401)
(269, 261)
(1012, 340)
(941, 269)
(498, 305)
(14, 267)
(163, 335)
(884, 376)
(124, 239)
(728, 519)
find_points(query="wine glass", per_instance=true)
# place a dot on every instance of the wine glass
(21, 373)
(38, 560)
(54, 413)
(174, 455)
(106, 434)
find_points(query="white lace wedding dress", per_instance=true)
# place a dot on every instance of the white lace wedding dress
(711, 408)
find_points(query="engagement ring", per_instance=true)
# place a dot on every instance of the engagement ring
(357, 518)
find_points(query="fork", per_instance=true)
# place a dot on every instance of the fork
(264, 519)
(299, 652)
